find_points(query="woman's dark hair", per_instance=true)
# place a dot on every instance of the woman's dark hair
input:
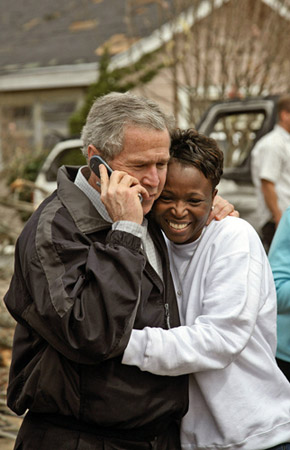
(192, 148)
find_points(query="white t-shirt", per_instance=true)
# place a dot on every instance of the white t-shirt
(271, 161)
(238, 398)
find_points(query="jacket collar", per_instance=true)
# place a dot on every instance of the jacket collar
(84, 214)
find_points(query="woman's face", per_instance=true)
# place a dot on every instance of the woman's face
(184, 204)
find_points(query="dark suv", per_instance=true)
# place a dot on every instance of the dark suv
(237, 125)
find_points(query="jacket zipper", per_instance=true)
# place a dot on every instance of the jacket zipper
(167, 315)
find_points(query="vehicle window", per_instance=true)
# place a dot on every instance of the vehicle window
(235, 134)
(69, 157)
(15, 129)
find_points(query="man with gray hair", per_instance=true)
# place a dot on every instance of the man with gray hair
(88, 268)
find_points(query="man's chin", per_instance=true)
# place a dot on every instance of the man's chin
(147, 206)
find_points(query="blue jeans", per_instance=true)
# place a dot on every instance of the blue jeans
(285, 446)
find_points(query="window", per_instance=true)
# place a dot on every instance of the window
(55, 117)
(16, 130)
(235, 134)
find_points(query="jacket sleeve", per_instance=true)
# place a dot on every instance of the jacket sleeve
(79, 296)
(279, 257)
(233, 291)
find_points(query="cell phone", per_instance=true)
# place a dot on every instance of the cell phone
(95, 162)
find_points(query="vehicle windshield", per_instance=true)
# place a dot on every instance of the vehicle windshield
(235, 134)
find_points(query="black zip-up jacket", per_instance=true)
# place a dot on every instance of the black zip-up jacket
(77, 291)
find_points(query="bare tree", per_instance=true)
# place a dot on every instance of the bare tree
(221, 49)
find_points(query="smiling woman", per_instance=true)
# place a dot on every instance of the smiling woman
(238, 397)
(185, 203)
(194, 171)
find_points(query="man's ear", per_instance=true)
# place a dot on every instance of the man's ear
(283, 114)
(92, 151)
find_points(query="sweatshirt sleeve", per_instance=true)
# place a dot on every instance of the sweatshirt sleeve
(231, 294)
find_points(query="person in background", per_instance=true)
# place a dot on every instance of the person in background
(238, 397)
(88, 267)
(270, 172)
(279, 257)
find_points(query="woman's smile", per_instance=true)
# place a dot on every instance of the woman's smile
(177, 225)
(184, 204)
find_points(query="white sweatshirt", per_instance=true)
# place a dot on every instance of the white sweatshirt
(238, 398)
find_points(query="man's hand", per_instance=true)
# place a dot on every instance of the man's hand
(119, 193)
(221, 209)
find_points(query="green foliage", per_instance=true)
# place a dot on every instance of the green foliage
(72, 157)
(24, 165)
(117, 80)
(31, 169)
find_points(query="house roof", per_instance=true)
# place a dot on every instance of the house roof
(49, 43)
(50, 33)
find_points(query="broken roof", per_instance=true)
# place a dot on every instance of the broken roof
(50, 33)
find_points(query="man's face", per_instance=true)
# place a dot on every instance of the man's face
(286, 118)
(145, 156)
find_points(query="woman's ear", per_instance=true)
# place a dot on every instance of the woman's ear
(215, 191)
